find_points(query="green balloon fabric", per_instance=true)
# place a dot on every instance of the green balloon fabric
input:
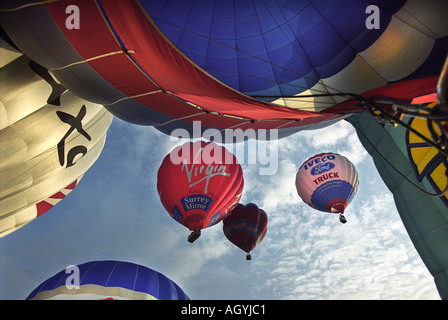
(424, 216)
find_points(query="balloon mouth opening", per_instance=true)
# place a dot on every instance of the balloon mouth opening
(337, 209)
(337, 206)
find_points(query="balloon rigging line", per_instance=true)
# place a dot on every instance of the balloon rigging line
(28, 5)
(124, 51)
(205, 111)
(132, 97)
(409, 128)
(372, 107)
(181, 118)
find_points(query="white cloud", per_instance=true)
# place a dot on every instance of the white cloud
(329, 136)
(309, 255)
(320, 258)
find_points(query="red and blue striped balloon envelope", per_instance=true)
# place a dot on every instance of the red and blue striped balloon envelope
(327, 182)
(108, 280)
(246, 227)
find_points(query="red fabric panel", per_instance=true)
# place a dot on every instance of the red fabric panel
(43, 207)
(72, 185)
(94, 37)
(122, 73)
(58, 195)
(405, 90)
(426, 98)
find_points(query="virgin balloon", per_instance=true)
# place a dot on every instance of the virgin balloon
(327, 182)
(199, 184)
(246, 227)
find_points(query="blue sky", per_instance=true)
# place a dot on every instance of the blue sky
(115, 213)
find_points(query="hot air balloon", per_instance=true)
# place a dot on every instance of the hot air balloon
(327, 182)
(246, 227)
(108, 280)
(417, 175)
(199, 183)
(49, 138)
(285, 65)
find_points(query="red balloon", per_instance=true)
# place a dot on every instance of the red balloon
(246, 227)
(199, 184)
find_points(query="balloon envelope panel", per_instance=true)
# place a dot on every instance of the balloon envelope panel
(211, 61)
(108, 280)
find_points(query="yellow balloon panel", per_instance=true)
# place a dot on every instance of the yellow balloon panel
(425, 159)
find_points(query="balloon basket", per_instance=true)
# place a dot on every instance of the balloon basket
(194, 235)
(248, 257)
(342, 219)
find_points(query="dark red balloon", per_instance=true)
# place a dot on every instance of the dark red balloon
(199, 184)
(246, 227)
